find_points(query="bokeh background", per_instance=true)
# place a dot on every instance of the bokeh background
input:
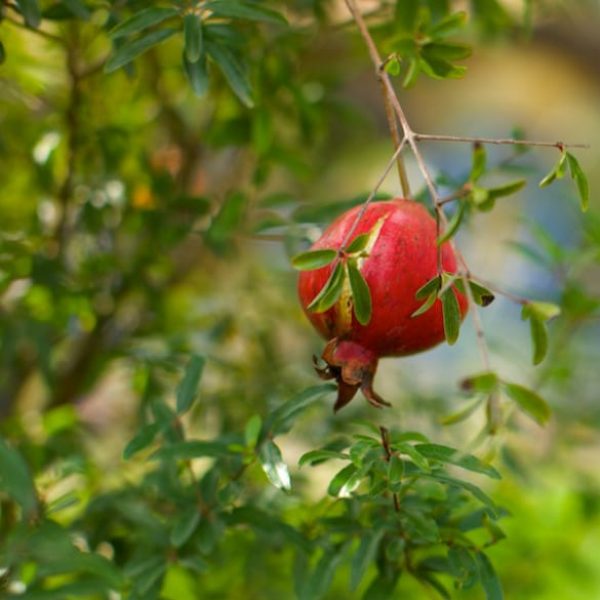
(140, 223)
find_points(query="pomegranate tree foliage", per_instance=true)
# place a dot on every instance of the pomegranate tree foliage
(124, 197)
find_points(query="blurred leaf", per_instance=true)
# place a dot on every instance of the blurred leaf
(451, 455)
(30, 10)
(341, 479)
(2, 53)
(330, 292)
(78, 9)
(454, 224)
(530, 402)
(132, 49)
(489, 580)
(233, 71)
(462, 414)
(449, 25)
(273, 465)
(184, 526)
(557, 172)
(188, 388)
(451, 315)
(192, 37)
(440, 69)
(142, 20)
(412, 73)
(252, 431)
(16, 480)
(314, 259)
(578, 175)
(448, 52)
(361, 295)
(395, 470)
(419, 459)
(319, 581)
(244, 10)
(226, 222)
(406, 15)
(197, 75)
(192, 449)
(485, 382)
(539, 338)
(319, 456)
(142, 439)
(507, 189)
(364, 556)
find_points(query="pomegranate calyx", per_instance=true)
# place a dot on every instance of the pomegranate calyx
(353, 366)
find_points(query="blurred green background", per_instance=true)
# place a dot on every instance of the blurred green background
(141, 223)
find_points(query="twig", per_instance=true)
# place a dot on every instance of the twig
(40, 32)
(500, 141)
(385, 442)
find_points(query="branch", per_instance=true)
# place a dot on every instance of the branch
(499, 141)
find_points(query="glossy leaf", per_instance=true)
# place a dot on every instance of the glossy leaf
(341, 479)
(451, 315)
(418, 459)
(330, 292)
(359, 243)
(578, 175)
(273, 465)
(361, 295)
(192, 37)
(244, 10)
(188, 388)
(132, 49)
(314, 259)
(529, 401)
(142, 20)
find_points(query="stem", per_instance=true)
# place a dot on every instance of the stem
(501, 141)
(385, 442)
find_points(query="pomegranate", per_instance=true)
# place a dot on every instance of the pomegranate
(402, 257)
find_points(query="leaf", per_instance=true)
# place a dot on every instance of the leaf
(252, 431)
(395, 470)
(448, 51)
(485, 382)
(530, 402)
(226, 222)
(77, 8)
(192, 37)
(319, 456)
(30, 10)
(392, 66)
(412, 73)
(433, 284)
(426, 305)
(192, 449)
(454, 224)
(448, 25)
(233, 71)
(361, 295)
(481, 295)
(358, 244)
(488, 577)
(330, 292)
(244, 10)
(319, 581)
(539, 340)
(557, 172)
(197, 75)
(580, 179)
(16, 480)
(441, 69)
(143, 438)
(131, 50)
(506, 189)
(184, 526)
(341, 479)
(406, 15)
(188, 388)
(540, 310)
(417, 458)
(475, 491)
(451, 455)
(462, 414)
(478, 162)
(314, 259)
(273, 465)
(364, 556)
(142, 20)
(451, 314)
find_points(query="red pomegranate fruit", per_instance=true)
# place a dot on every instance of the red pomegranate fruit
(401, 258)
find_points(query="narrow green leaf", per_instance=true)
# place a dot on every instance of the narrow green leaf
(252, 431)
(478, 162)
(192, 449)
(451, 314)
(30, 9)
(233, 71)
(341, 479)
(544, 311)
(506, 189)
(448, 25)
(319, 581)
(273, 465)
(416, 457)
(15, 478)
(314, 259)
(448, 51)
(142, 20)
(451, 455)
(361, 295)
(539, 339)
(184, 526)
(406, 15)
(578, 175)
(529, 401)
(330, 292)
(364, 556)
(395, 470)
(77, 8)
(462, 414)
(132, 49)
(432, 285)
(412, 73)
(319, 456)
(488, 578)
(188, 388)
(454, 224)
(244, 10)
(474, 490)
(557, 172)
(358, 244)
(485, 382)
(192, 37)
(426, 305)
(196, 74)
(441, 69)
(143, 438)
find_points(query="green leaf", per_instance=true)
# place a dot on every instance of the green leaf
(557, 172)
(142, 20)
(132, 49)
(359, 243)
(580, 179)
(395, 470)
(412, 73)
(475, 491)
(192, 449)
(462, 414)
(392, 66)
(448, 25)
(77, 8)
(227, 221)
(488, 577)
(361, 295)
(544, 311)
(441, 69)
(447, 51)
(530, 402)
(451, 314)
(426, 305)
(478, 162)
(143, 438)
(330, 292)
(319, 581)
(485, 382)
(188, 388)
(192, 37)
(233, 71)
(506, 189)
(30, 10)
(184, 526)
(406, 15)
(319, 456)
(481, 295)
(539, 339)
(252, 431)
(364, 556)
(451, 455)
(345, 481)
(273, 465)
(197, 75)
(432, 285)
(314, 259)
(417, 458)
(16, 480)
(244, 10)
(454, 224)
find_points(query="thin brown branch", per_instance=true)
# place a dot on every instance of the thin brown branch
(500, 141)
(45, 34)
(385, 442)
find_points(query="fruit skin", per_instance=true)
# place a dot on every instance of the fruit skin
(402, 259)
